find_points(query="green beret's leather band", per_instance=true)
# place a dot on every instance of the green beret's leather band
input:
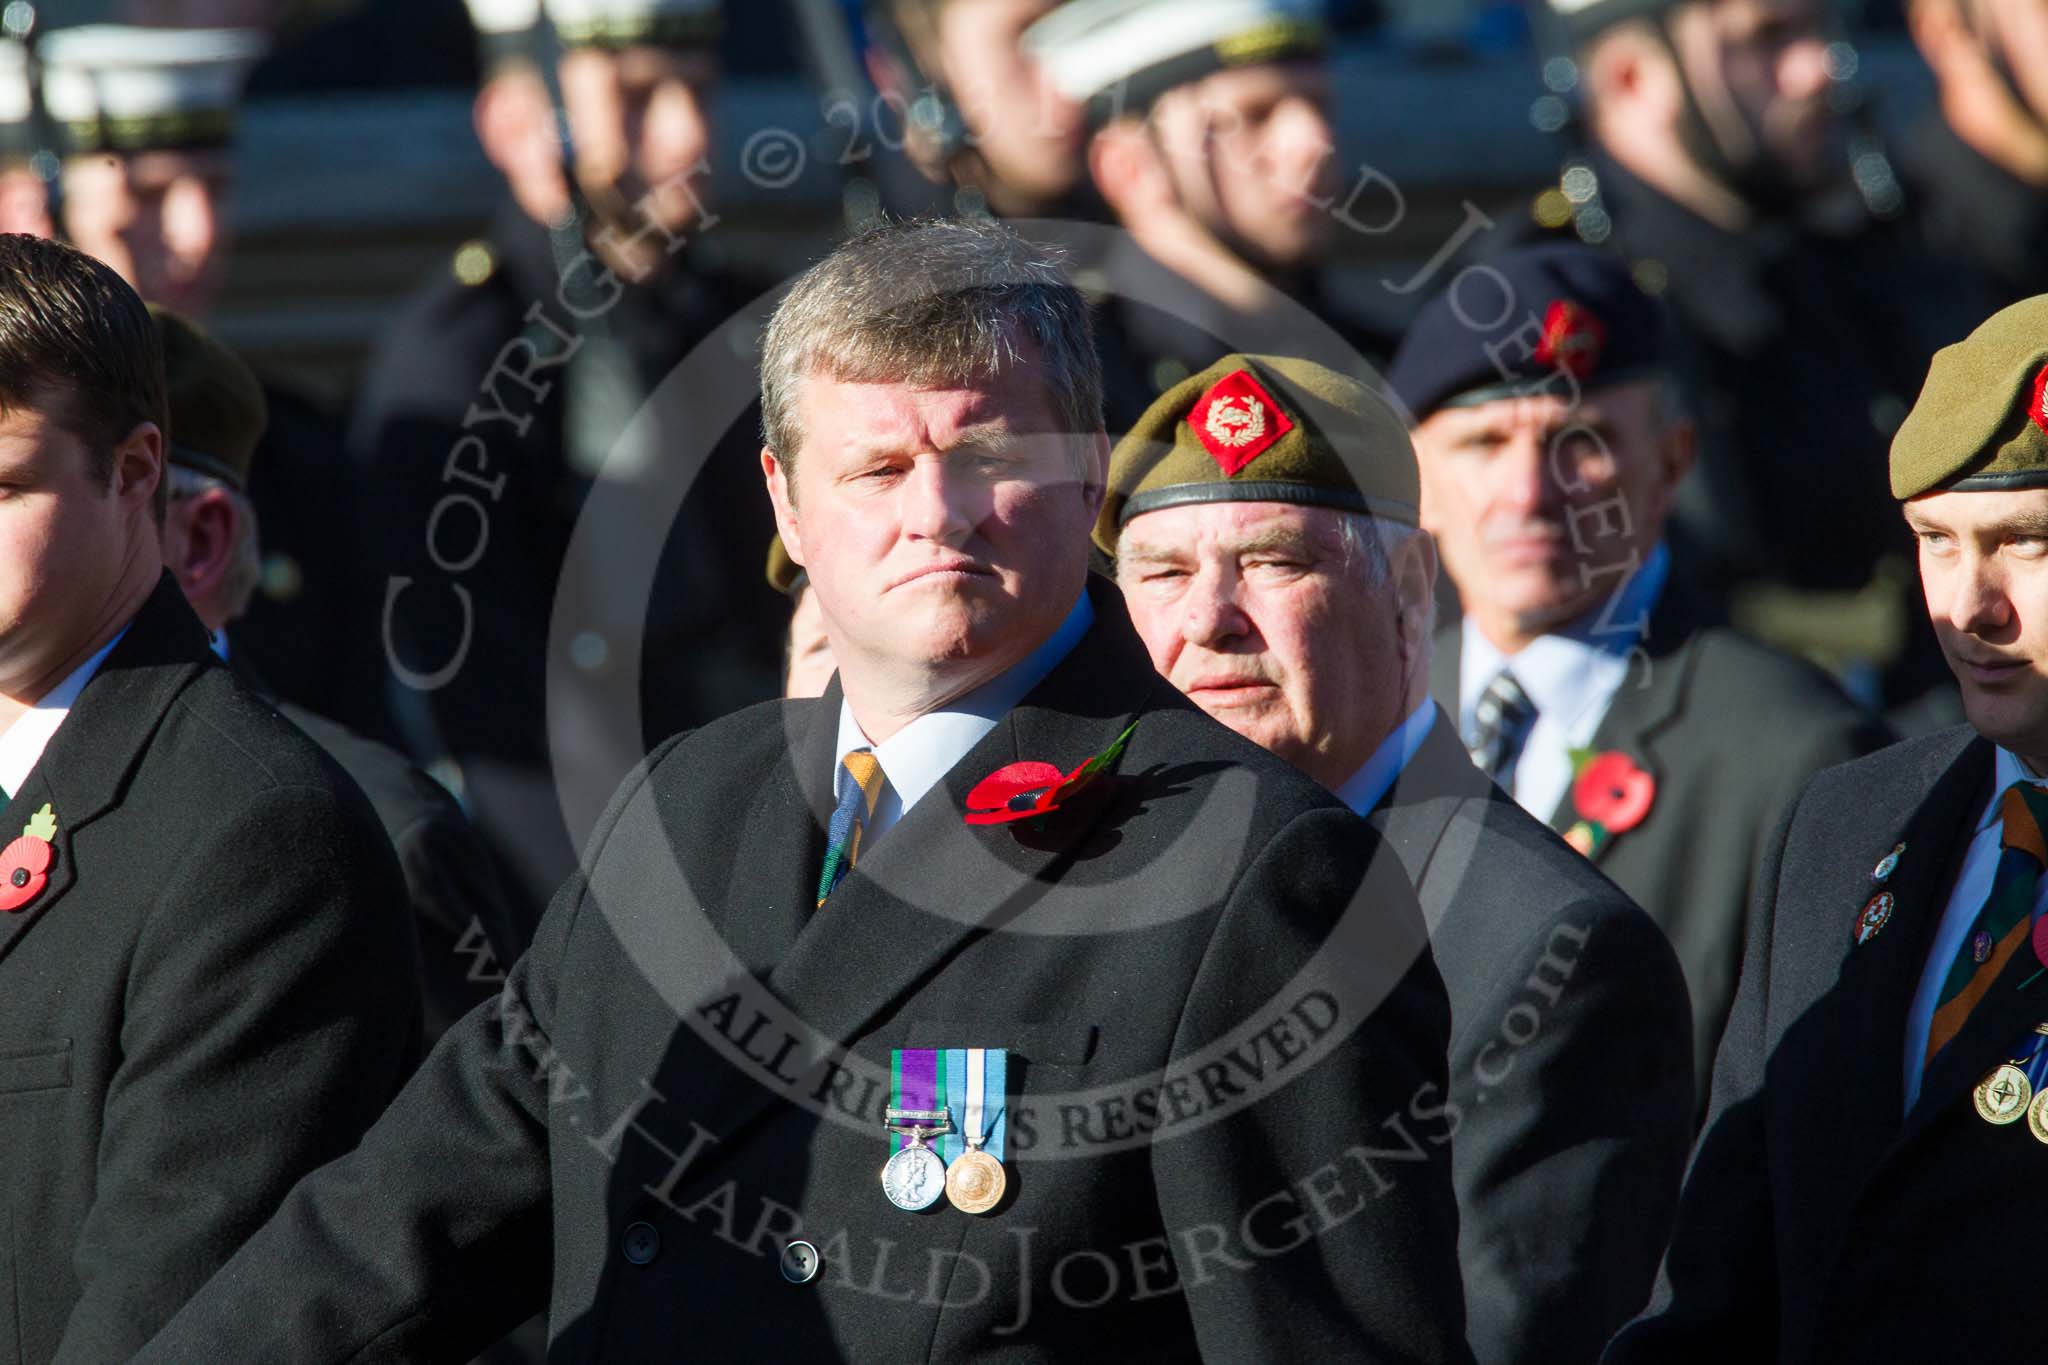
(1266, 490)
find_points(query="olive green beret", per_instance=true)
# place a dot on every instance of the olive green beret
(218, 411)
(1980, 422)
(785, 575)
(1263, 429)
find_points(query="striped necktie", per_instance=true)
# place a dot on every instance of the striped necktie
(1501, 722)
(2005, 922)
(856, 807)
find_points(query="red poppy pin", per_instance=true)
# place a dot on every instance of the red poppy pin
(1610, 794)
(1030, 790)
(25, 863)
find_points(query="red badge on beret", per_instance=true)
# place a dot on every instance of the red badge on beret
(2038, 409)
(1237, 421)
(1572, 339)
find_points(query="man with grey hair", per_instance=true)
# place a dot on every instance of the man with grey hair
(1263, 517)
(1123, 1008)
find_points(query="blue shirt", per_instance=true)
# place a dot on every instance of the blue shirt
(916, 757)
(1571, 675)
(1395, 753)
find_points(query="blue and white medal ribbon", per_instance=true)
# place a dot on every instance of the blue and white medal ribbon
(975, 1179)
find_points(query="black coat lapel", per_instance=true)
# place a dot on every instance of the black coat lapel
(1878, 977)
(2002, 1020)
(1651, 696)
(81, 773)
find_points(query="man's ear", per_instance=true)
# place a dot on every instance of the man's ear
(1127, 169)
(1679, 447)
(1413, 574)
(782, 496)
(139, 465)
(201, 533)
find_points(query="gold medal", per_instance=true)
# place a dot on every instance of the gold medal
(2002, 1096)
(975, 1181)
(2037, 1117)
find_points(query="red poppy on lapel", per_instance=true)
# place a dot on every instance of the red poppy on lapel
(1610, 795)
(25, 863)
(1026, 790)
(1611, 791)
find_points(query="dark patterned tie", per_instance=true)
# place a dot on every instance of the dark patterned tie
(1500, 726)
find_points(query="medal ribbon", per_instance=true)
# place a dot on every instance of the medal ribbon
(980, 1077)
(917, 1081)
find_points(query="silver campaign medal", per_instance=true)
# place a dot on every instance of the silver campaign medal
(914, 1178)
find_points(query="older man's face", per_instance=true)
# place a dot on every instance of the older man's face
(1541, 507)
(1264, 617)
(945, 530)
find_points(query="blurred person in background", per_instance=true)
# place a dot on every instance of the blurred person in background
(807, 662)
(1001, 131)
(1805, 309)
(1289, 596)
(1210, 140)
(510, 382)
(1585, 676)
(1978, 160)
(211, 541)
(144, 119)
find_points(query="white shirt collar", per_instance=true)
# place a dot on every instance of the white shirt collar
(915, 758)
(1395, 753)
(2006, 769)
(1575, 669)
(21, 748)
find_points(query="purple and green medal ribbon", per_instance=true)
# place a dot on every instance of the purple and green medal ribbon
(953, 1080)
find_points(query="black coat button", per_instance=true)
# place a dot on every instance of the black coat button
(641, 1243)
(800, 1262)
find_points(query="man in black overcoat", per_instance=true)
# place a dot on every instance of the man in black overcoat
(1874, 1153)
(1218, 1009)
(207, 984)
(1586, 675)
(1290, 594)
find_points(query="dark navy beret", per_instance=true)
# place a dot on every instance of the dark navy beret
(1552, 318)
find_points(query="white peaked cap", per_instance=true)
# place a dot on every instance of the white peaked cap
(1091, 47)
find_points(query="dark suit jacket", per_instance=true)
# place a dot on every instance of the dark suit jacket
(1571, 1051)
(212, 995)
(468, 928)
(1820, 1221)
(659, 1162)
(1731, 731)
